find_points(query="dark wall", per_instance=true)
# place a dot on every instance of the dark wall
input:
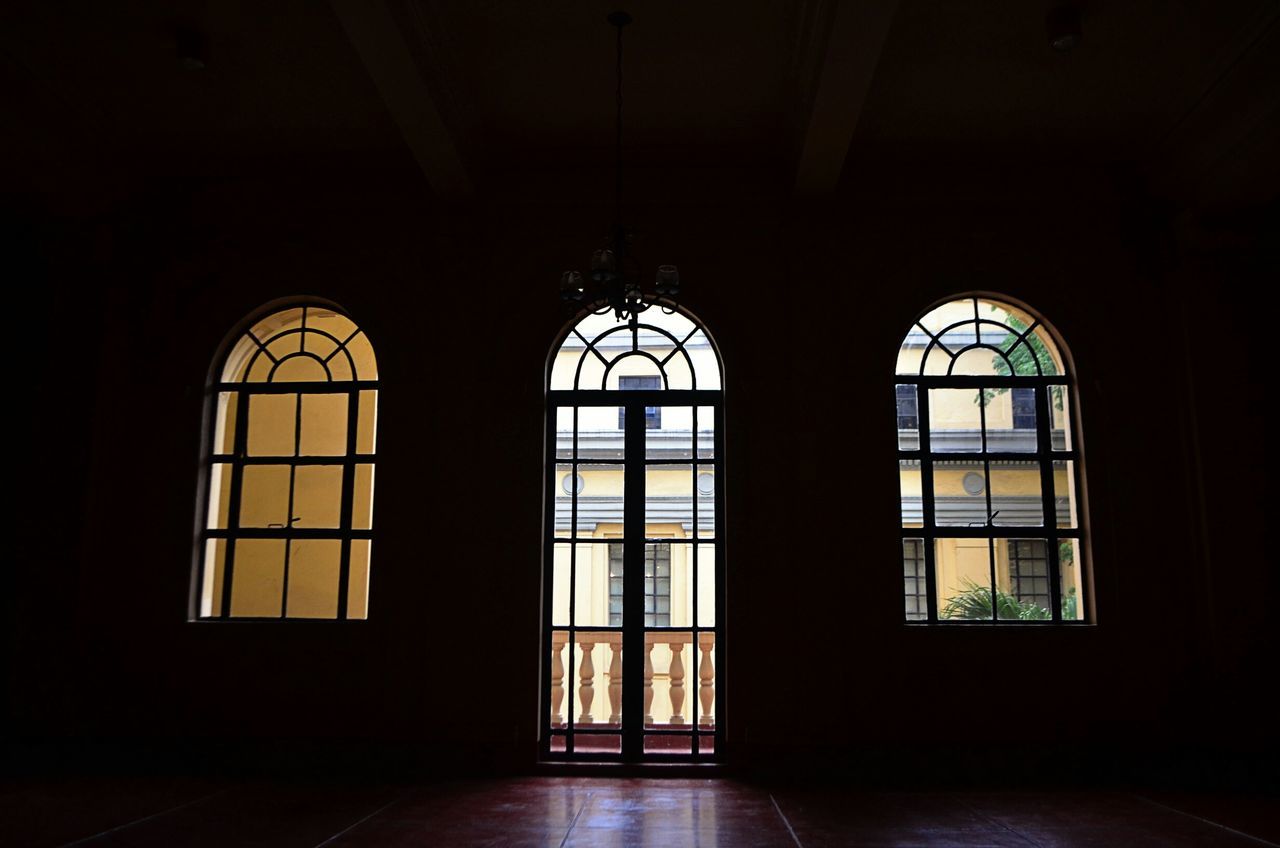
(125, 308)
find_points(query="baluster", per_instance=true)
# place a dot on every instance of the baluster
(707, 676)
(648, 682)
(677, 683)
(586, 691)
(615, 683)
(557, 676)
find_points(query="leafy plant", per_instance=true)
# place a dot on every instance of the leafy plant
(1025, 358)
(974, 602)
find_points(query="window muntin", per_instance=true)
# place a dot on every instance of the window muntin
(290, 471)
(991, 453)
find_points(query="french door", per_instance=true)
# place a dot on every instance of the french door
(633, 594)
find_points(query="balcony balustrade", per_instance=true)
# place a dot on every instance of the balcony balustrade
(599, 672)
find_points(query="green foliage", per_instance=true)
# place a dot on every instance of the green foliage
(974, 602)
(1026, 359)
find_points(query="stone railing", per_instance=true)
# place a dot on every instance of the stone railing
(611, 641)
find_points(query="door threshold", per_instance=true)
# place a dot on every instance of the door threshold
(587, 768)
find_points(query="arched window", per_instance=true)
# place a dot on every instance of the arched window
(633, 570)
(989, 468)
(288, 507)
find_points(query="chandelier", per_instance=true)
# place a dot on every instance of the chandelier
(614, 279)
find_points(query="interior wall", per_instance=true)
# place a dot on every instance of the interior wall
(808, 305)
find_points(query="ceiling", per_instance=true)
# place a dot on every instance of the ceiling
(472, 90)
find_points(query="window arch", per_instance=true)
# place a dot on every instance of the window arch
(989, 468)
(633, 562)
(286, 522)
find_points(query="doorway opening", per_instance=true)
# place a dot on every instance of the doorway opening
(633, 556)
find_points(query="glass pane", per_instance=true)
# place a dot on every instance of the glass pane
(561, 555)
(1060, 422)
(215, 556)
(963, 574)
(318, 344)
(299, 369)
(679, 372)
(1015, 495)
(671, 656)
(224, 424)
(915, 585)
(259, 367)
(706, 367)
(706, 585)
(331, 323)
(1022, 580)
(706, 432)
(561, 676)
(366, 366)
(219, 496)
(341, 366)
(257, 581)
(601, 502)
(668, 503)
(277, 322)
(271, 425)
(1064, 494)
(668, 584)
(284, 343)
(959, 494)
(975, 362)
(590, 373)
(317, 496)
(908, 417)
(955, 420)
(367, 431)
(362, 498)
(706, 487)
(358, 579)
(564, 432)
(909, 493)
(264, 496)
(597, 695)
(668, 432)
(1070, 566)
(911, 353)
(314, 566)
(599, 436)
(1011, 419)
(324, 425)
(597, 594)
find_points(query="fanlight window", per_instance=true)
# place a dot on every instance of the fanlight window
(989, 469)
(289, 509)
(666, 346)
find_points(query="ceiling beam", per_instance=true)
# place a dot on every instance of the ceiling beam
(848, 36)
(386, 55)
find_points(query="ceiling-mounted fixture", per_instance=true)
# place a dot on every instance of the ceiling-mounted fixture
(614, 278)
(1063, 24)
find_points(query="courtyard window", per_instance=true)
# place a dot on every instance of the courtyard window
(288, 516)
(989, 469)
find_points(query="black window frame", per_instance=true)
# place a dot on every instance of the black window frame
(915, 449)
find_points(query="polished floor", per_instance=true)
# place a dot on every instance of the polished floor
(572, 811)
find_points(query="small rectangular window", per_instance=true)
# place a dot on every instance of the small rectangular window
(652, 414)
(1024, 409)
(908, 408)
